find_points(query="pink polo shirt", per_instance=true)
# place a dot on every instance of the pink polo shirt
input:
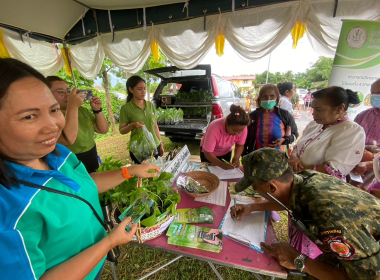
(217, 141)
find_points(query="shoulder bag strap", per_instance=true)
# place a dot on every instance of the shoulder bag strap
(32, 185)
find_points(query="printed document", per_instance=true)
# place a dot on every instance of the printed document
(218, 197)
(222, 174)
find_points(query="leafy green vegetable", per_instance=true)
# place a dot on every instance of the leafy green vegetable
(157, 188)
(142, 144)
(194, 95)
(150, 221)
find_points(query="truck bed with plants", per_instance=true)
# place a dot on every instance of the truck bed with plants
(187, 115)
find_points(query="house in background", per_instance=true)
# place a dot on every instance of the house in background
(99, 88)
(244, 83)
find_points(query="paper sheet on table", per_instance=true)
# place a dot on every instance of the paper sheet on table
(218, 197)
(250, 231)
(222, 174)
(192, 166)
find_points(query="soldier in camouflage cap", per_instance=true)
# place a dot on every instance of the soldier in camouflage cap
(261, 166)
(343, 218)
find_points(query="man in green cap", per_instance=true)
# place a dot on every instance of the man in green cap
(342, 220)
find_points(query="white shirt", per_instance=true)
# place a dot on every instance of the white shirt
(286, 104)
(339, 147)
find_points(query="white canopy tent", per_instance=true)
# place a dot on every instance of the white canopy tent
(253, 33)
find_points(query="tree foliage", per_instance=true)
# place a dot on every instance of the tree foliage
(151, 64)
(107, 68)
(318, 74)
(81, 81)
(120, 87)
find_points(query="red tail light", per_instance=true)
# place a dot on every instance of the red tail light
(217, 112)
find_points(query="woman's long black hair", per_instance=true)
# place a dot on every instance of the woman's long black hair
(283, 87)
(336, 96)
(12, 70)
(131, 83)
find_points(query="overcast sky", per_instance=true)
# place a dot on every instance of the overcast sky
(283, 59)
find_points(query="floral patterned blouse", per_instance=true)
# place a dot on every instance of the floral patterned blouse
(339, 147)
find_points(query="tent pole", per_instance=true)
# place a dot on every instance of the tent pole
(69, 60)
(268, 68)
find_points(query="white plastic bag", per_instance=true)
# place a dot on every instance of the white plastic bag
(142, 145)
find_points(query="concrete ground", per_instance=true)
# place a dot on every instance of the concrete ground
(302, 118)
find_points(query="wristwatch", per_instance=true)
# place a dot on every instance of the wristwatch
(299, 262)
(97, 111)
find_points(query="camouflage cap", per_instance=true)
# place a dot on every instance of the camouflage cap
(261, 166)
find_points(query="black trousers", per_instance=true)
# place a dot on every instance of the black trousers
(226, 157)
(134, 159)
(89, 159)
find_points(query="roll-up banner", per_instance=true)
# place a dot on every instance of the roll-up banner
(357, 60)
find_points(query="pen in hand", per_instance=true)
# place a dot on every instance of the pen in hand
(228, 162)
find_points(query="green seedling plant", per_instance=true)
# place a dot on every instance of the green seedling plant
(158, 189)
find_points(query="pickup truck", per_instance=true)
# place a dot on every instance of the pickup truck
(202, 96)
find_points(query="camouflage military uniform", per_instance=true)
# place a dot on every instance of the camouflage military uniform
(295, 99)
(345, 218)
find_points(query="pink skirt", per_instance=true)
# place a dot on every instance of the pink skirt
(302, 243)
(375, 185)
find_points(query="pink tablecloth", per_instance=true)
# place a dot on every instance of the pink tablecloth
(233, 253)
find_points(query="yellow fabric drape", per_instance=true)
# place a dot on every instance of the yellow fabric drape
(219, 44)
(67, 65)
(297, 32)
(155, 49)
(3, 49)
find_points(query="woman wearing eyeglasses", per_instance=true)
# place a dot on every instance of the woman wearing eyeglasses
(81, 124)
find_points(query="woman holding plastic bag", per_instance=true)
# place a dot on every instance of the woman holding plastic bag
(139, 116)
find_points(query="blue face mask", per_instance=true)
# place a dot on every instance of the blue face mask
(267, 105)
(375, 100)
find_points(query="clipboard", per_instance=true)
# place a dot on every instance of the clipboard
(239, 239)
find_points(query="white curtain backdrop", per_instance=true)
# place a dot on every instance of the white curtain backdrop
(42, 56)
(87, 57)
(253, 33)
(129, 50)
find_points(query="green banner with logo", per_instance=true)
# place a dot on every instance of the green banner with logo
(357, 60)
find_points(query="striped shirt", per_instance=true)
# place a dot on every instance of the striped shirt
(370, 121)
(269, 128)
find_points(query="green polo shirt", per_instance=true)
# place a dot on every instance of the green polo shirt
(55, 227)
(130, 113)
(85, 139)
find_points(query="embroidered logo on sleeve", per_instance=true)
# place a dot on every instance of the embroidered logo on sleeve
(341, 248)
(332, 237)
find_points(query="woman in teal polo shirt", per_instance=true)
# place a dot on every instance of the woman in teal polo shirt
(44, 234)
(138, 113)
